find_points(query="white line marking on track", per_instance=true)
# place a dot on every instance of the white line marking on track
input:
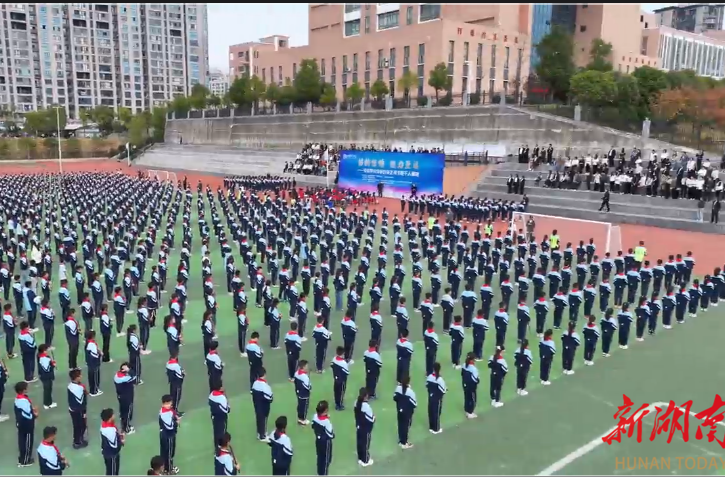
(594, 443)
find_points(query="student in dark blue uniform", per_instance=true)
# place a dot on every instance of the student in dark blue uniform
(591, 336)
(168, 428)
(93, 362)
(625, 322)
(27, 352)
(340, 372)
(373, 365)
(643, 314)
(111, 442)
(125, 382)
(404, 350)
(523, 359)
(457, 334)
(220, 409)
(303, 387)
(405, 403)
(50, 460)
(324, 434)
(293, 347)
(78, 406)
(470, 378)
(25, 416)
(437, 389)
(499, 368)
(322, 337)
(262, 398)
(175, 375)
(225, 463)
(364, 422)
(570, 341)
(609, 325)
(281, 445)
(46, 373)
(255, 354)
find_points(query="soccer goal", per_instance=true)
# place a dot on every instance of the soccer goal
(163, 176)
(607, 237)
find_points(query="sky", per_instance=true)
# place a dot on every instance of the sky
(239, 22)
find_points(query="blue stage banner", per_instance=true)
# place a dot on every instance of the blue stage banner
(364, 170)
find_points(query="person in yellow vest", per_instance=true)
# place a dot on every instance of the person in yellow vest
(639, 253)
(431, 221)
(554, 240)
(488, 229)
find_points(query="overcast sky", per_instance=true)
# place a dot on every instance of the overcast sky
(239, 22)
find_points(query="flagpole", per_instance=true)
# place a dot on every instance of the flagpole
(60, 152)
(128, 155)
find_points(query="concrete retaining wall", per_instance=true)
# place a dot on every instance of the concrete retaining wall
(508, 126)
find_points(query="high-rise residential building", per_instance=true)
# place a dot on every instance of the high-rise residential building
(83, 55)
(485, 47)
(218, 83)
(695, 17)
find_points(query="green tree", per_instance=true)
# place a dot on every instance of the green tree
(137, 131)
(158, 123)
(438, 78)
(200, 90)
(199, 95)
(651, 82)
(307, 82)
(227, 100)
(85, 116)
(379, 89)
(628, 98)
(103, 116)
(214, 101)
(599, 56)
(125, 115)
(72, 148)
(238, 91)
(594, 88)
(408, 81)
(329, 96)
(272, 93)
(288, 94)
(45, 121)
(354, 93)
(255, 91)
(556, 63)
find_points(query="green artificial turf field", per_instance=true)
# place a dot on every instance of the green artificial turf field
(553, 430)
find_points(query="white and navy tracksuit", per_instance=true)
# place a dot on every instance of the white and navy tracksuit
(499, 368)
(340, 372)
(405, 403)
(262, 398)
(255, 355)
(437, 389)
(373, 364)
(224, 463)
(28, 349)
(282, 453)
(322, 338)
(570, 342)
(125, 383)
(168, 427)
(175, 375)
(293, 346)
(591, 336)
(303, 386)
(523, 359)
(405, 353)
(364, 422)
(470, 378)
(93, 361)
(214, 368)
(77, 407)
(219, 407)
(49, 459)
(46, 373)
(25, 423)
(324, 434)
(111, 448)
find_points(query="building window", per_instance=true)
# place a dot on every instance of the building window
(354, 62)
(478, 85)
(493, 62)
(392, 58)
(367, 61)
(264, 75)
(421, 54)
(430, 11)
(388, 20)
(491, 87)
(465, 51)
(406, 56)
(322, 67)
(381, 59)
(479, 54)
(352, 28)
(451, 50)
(367, 23)
(409, 16)
(344, 63)
(334, 66)
(582, 28)
(352, 7)
(280, 74)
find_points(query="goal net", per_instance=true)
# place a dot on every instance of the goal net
(607, 237)
(163, 176)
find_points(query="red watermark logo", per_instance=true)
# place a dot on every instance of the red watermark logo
(670, 419)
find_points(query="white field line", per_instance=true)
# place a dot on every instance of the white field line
(594, 443)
